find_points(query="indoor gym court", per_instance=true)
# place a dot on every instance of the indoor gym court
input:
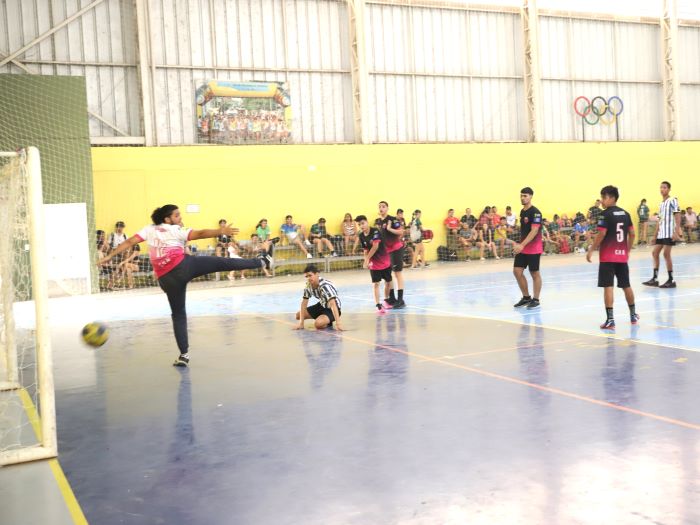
(458, 409)
(439, 413)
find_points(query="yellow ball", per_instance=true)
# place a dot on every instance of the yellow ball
(95, 334)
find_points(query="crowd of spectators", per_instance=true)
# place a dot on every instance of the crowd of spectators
(489, 234)
(314, 242)
(492, 234)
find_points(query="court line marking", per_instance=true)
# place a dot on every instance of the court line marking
(511, 348)
(549, 327)
(493, 375)
(74, 508)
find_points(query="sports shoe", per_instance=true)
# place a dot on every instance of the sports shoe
(182, 360)
(399, 304)
(651, 282)
(483, 259)
(274, 240)
(535, 303)
(333, 254)
(498, 258)
(387, 305)
(634, 319)
(381, 311)
(307, 242)
(668, 284)
(523, 302)
(609, 324)
(309, 256)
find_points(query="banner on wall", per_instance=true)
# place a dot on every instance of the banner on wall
(230, 112)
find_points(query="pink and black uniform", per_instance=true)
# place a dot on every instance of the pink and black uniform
(615, 224)
(174, 269)
(530, 256)
(392, 242)
(380, 262)
(166, 245)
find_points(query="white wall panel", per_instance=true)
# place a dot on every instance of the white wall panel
(444, 75)
(100, 45)
(591, 58)
(436, 74)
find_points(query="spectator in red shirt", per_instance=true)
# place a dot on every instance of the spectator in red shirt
(495, 217)
(451, 222)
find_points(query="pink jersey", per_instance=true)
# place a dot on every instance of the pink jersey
(166, 245)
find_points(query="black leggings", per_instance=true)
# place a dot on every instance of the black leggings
(174, 284)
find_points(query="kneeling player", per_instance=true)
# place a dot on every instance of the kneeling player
(376, 259)
(615, 238)
(327, 311)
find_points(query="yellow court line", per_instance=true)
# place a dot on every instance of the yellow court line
(76, 512)
(508, 379)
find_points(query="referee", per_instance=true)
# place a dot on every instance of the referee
(667, 233)
(326, 313)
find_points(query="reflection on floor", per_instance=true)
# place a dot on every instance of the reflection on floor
(455, 410)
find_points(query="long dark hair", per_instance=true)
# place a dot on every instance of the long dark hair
(260, 223)
(160, 214)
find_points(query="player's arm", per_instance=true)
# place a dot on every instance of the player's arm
(596, 242)
(333, 305)
(630, 238)
(131, 241)
(396, 231)
(208, 234)
(302, 309)
(678, 234)
(369, 254)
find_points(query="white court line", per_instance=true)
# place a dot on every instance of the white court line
(569, 330)
(549, 327)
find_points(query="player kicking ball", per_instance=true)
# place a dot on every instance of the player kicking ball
(615, 238)
(325, 313)
(377, 260)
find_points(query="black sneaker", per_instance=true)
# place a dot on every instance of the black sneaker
(609, 324)
(668, 284)
(634, 319)
(399, 304)
(266, 260)
(523, 302)
(182, 360)
(651, 282)
(535, 303)
(274, 240)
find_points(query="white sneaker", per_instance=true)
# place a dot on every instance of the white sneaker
(498, 258)
(306, 241)
(483, 259)
(309, 256)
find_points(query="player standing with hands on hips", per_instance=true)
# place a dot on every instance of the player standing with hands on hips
(667, 233)
(615, 238)
(528, 251)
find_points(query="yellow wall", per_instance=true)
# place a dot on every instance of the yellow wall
(245, 183)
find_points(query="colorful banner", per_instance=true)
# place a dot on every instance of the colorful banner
(230, 112)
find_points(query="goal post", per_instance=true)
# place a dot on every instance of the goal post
(27, 400)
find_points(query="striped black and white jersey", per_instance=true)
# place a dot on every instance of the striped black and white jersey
(667, 218)
(324, 293)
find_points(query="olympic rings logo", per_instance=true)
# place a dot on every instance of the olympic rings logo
(598, 109)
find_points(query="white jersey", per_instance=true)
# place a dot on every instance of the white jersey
(667, 218)
(166, 245)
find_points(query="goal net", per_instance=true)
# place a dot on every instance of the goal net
(27, 413)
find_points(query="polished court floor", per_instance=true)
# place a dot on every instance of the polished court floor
(456, 410)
